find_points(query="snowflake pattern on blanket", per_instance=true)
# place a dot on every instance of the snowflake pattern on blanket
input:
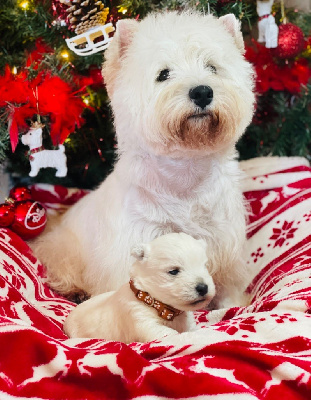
(262, 351)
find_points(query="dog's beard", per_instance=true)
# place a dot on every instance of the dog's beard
(198, 129)
(208, 130)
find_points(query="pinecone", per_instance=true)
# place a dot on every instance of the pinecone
(86, 14)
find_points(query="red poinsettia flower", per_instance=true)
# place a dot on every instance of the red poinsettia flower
(45, 95)
(279, 77)
(24, 97)
(35, 57)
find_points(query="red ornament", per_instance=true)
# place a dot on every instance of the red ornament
(29, 219)
(290, 41)
(20, 193)
(23, 215)
(6, 214)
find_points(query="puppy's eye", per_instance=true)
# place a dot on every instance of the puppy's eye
(163, 75)
(174, 271)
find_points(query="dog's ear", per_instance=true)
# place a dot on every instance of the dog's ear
(123, 36)
(141, 251)
(233, 26)
(125, 30)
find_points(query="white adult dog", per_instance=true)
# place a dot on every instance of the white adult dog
(181, 93)
(169, 280)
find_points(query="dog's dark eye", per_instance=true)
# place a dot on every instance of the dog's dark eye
(163, 75)
(174, 271)
(212, 68)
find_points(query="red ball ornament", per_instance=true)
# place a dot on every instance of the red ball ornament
(20, 193)
(6, 214)
(290, 41)
(23, 215)
(29, 219)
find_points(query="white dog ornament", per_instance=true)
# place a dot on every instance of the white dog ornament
(268, 29)
(39, 157)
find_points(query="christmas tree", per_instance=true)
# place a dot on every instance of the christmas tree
(44, 83)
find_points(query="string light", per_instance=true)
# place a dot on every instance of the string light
(86, 101)
(123, 10)
(64, 54)
(24, 4)
(14, 70)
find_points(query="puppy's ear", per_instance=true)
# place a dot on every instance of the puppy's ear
(233, 26)
(123, 37)
(141, 252)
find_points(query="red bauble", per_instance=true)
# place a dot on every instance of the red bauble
(6, 214)
(23, 215)
(29, 219)
(290, 41)
(20, 193)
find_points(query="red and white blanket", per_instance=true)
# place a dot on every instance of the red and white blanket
(262, 351)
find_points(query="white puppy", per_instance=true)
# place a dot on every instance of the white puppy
(181, 93)
(169, 279)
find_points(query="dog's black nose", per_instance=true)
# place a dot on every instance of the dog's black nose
(201, 95)
(202, 289)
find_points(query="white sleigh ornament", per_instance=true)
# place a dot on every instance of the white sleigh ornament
(92, 41)
(39, 157)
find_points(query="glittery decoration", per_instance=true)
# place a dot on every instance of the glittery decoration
(290, 41)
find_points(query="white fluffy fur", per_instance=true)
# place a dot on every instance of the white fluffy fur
(122, 317)
(176, 172)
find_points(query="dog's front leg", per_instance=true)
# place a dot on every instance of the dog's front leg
(153, 331)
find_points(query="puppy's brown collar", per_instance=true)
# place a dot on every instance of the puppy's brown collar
(164, 311)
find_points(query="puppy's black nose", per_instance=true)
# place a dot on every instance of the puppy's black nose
(202, 289)
(201, 95)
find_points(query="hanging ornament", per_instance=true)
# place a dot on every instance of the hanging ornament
(291, 41)
(23, 97)
(39, 157)
(87, 18)
(267, 28)
(23, 215)
(6, 214)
